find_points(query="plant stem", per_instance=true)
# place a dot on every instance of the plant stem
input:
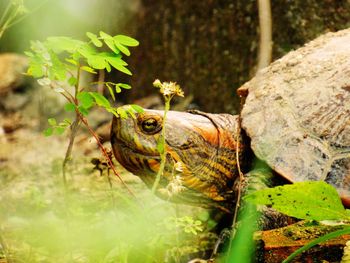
(12, 15)
(162, 142)
(3, 28)
(67, 158)
(19, 19)
(104, 152)
(241, 176)
(7, 9)
(74, 129)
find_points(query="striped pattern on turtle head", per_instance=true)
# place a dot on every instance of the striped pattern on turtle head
(200, 150)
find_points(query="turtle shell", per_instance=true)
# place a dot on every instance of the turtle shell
(297, 113)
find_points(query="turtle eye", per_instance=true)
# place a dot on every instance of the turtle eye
(151, 126)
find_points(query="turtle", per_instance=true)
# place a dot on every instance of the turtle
(296, 119)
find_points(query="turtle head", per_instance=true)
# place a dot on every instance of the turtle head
(200, 154)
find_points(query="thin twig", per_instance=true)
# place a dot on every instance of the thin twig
(104, 152)
(73, 133)
(74, 129)
(7, 9)
(240, 174)
(65, 94)
(241, 177)
(29, 13)
(162, 141)
(100, 83)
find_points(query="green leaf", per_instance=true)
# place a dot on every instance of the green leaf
(72, 81)
(131, 112)
(126, 41)
(86, 99)
(57, 70)
(160, 146)
(304, 200)
(28, 54)
(118, 89)
(96, 62)
(122, 48)
(122, 69)
(83, 111)
(69, 107)
(124, 86)
(48, 132)
(72, 61)
(94, 39)
(110, 90)
(109, 41)
(122, 113)
(60, 44)
(36, 67)
(87, 51)
(137, 108)
(52, 121)
(111, 45)
(108, 67)
(115, 60)
(113, 111)
(38, 47)
(88, 69)
(76, 56)
(59, 130)
(105, 35)
(109, 55)
(100, 100)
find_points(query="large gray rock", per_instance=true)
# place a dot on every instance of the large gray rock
(297, 113)
(12, 67)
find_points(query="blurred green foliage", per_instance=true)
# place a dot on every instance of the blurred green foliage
(12, 14)
(70, 18)
(95, 223)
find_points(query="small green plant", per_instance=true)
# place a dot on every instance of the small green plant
(58, 63)
(168, 90)
(186, 223)
(305, 200)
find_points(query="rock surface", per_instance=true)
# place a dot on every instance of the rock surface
(12, 67)
(297, 113)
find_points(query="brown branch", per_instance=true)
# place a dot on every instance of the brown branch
(241, 176)
(100, 83)
(104, 152)
(73, 133)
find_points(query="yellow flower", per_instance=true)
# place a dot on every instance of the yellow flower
(157, 83)
(168, 89)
